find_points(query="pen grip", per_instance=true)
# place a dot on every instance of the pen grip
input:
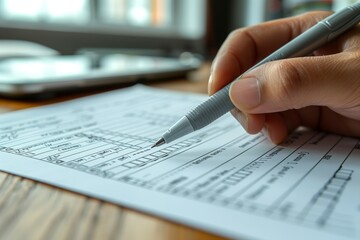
(211, 109)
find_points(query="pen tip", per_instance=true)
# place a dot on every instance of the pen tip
(159, 143)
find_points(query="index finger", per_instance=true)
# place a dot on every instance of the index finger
(244, 47)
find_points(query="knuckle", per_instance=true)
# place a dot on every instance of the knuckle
(235, 33)
(351, 72)
(244, 31)
(289, 81)
(354, 56)
(243, 34)
(316, 15)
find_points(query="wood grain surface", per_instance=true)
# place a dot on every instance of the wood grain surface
(33, 210)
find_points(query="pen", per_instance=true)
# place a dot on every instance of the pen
(220, 103)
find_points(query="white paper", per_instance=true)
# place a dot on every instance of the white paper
(219, 179)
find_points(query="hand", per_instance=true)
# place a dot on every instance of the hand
(321, 91)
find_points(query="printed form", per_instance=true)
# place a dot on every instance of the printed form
(218, 179)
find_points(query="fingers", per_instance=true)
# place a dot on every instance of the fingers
(318, 92)
(278, 125)
(244, 47)
(275, 126)
(332, 81)
(331, 121)
(321, 91)
(252, 123)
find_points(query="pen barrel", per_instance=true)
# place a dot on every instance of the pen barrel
(211, 109)
(323, 32)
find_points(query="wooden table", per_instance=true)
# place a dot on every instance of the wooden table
(33, 210)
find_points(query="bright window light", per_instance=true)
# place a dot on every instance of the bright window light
(67, 10)
(22, 9)
(46, 10)
(183, 17)
(139, 12)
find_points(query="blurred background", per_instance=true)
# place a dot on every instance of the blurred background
(166, 26)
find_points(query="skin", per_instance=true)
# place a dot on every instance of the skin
(320, 91)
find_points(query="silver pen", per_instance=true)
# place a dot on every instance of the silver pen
(220, 103)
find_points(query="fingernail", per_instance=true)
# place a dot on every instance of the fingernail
(211, 80)
(245, 93)
(241, 117)
(265, 132)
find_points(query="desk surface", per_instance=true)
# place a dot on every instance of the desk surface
(33, 210)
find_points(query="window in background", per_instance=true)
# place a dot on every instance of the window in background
(258, 11)
(339, 4)
(156, 13)
(147, 13)
(149, 24)
(296, 7)
(66, 11)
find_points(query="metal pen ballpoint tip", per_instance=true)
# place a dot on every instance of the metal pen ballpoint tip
(159, 143)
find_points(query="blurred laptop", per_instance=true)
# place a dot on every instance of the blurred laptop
(30, 75)
(177, 28)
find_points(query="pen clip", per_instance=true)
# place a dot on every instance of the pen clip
(342, 21)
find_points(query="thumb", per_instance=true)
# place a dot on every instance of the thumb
(299, 82)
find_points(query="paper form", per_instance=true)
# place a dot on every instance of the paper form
(218, 179)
